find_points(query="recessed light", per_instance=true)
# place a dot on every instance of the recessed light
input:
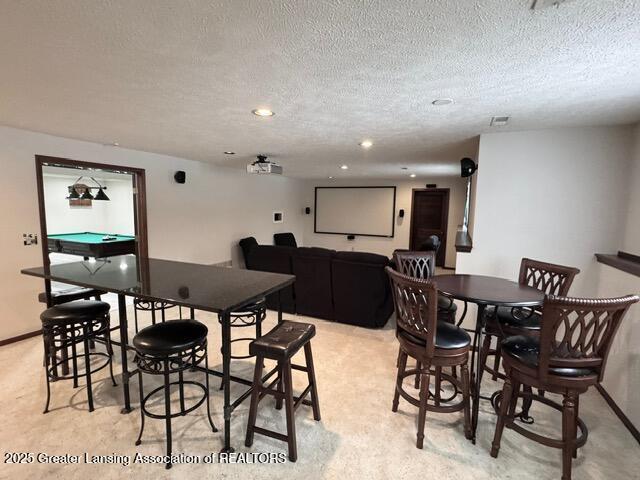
(263, 112)
(442, 101)
(413, 175)
(344, 167)
(229, 153)
(330, 177)
(366, 143)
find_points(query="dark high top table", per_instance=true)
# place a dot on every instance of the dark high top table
(484, 291)
(202, 287)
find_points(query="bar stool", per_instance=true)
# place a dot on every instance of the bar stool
(567, 359)
(281, 344)
(153, 306)
(251, 315)
(433, 344)
(71, 324)
(164, 349)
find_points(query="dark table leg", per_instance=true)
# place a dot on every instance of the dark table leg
(124, 342)
(476, 370)
(226, 380)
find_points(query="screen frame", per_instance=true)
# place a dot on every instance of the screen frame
(393, 212)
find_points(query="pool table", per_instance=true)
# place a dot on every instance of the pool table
(91, 244)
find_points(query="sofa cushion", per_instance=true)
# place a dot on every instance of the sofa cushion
(270, 258)
(363, 257)
(285, 239)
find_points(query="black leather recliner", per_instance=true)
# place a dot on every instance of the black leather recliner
(361, 289)
(284, 239)
(312, 268)
(269, 258)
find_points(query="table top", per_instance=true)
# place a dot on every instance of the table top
(203, 287)
(485, 290)
(90, 237)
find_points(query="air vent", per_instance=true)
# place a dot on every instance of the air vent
(499, 121)
(540, 4)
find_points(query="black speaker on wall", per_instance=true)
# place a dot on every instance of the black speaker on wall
(307, 210)
(180, 176)
(401, 213)
(467, 167)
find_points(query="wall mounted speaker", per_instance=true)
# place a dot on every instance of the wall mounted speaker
(431, 185)
(401, 213)
(467, 167)
(180, 176)
(351, 237)
(307, 210)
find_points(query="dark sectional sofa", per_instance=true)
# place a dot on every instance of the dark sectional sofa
(348, 287)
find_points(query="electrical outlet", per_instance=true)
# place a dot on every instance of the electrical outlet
(30, 238)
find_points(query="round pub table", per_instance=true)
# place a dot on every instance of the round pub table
(485, 291)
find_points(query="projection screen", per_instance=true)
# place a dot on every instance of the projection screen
(368, 211)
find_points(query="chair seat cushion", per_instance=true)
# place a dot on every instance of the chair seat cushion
(170, 337)
(283, 341)
(526, 349)
(69, 295)
(448, 336)
(72, 312)
(519, 317)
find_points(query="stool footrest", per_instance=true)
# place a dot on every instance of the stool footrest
(271, 433)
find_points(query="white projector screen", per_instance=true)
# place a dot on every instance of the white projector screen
(366, 211)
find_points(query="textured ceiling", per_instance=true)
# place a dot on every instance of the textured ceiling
(181, 77)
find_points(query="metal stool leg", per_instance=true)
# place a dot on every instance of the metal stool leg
(167, 406)
(139, 440)
(71, 332)
(206, 377)
(87, 363)
(47, 362)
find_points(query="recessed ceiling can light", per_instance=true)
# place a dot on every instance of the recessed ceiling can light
(263, 112)
(442, 101)
(344, 167)
(330, 178)
(366, 143)
(229, 153)
(413, 175)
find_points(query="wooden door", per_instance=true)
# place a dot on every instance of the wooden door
(429, 216)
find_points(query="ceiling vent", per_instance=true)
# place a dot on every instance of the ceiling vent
(540, 4)
(499, 121)
(262, 166)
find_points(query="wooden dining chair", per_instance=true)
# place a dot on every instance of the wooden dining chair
(567, 358)
(423, 265)
(432, 344)
(502, 322)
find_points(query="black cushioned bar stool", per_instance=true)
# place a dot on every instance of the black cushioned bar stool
(70, 325)
(281, 344)
(251, 315)
(168, 348)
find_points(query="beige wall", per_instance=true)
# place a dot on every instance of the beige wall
(555, 195)
(386, 246)
(562, 196)
(200, 221)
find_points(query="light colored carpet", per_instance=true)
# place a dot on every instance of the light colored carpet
(358, 437)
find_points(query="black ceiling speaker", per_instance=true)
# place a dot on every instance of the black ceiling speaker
(467, 167)
(180, 176)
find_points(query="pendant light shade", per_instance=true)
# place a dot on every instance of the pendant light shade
(86, 195)
(73, 194)
(101, 195)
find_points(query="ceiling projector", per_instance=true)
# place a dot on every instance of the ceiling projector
(264, 166)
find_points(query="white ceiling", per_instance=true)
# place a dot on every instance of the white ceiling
(181, 77)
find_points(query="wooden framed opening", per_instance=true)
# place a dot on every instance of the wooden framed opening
(430, 216)
(139, 201)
